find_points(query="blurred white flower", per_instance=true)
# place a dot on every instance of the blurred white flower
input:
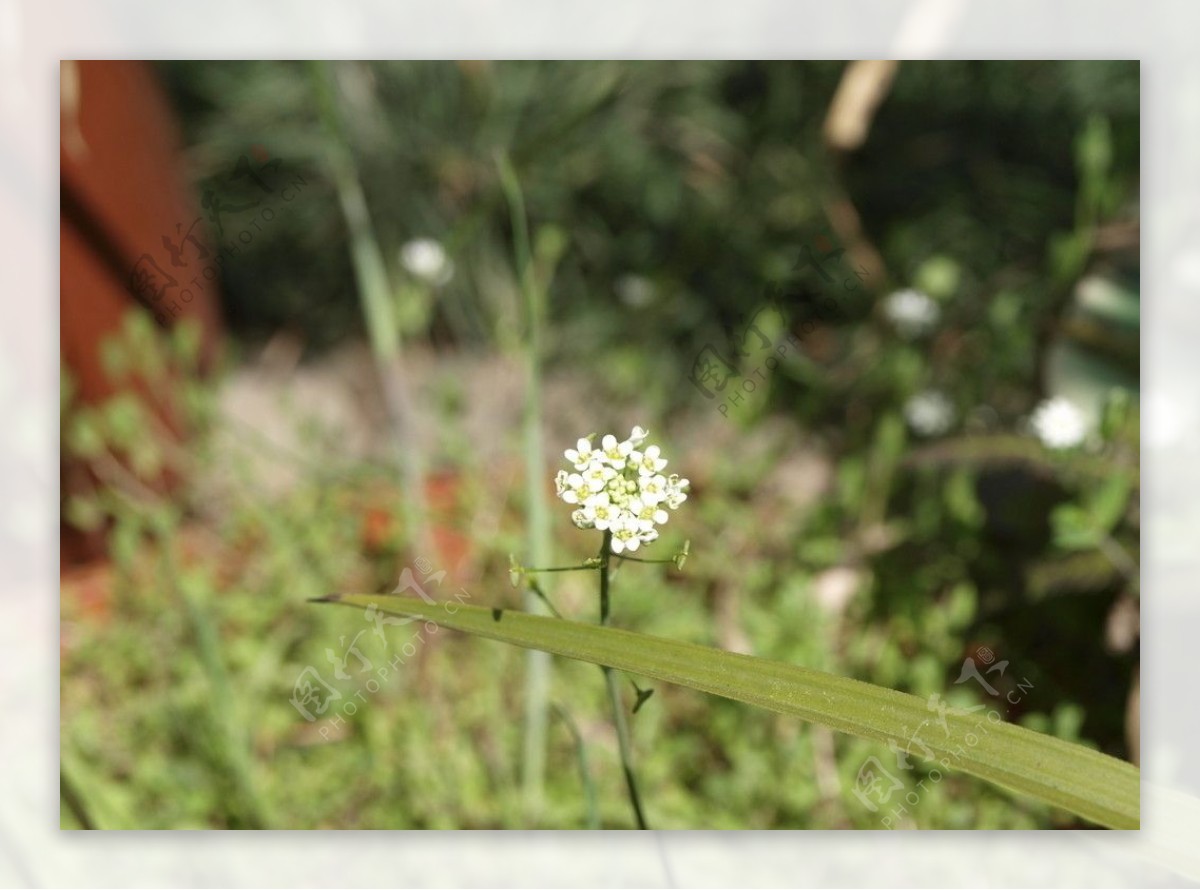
(1059, 423)
(929, 413)
(620, 489)
(426, 259)
(635, 291)
(912, 312)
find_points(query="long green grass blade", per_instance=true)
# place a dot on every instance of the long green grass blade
(375, 296)
(1080, 780)
(537, 680)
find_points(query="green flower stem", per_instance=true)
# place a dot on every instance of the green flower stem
(541, 594)
(579, 568)
(605, 554)
(614, 694)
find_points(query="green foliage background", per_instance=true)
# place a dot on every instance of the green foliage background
(996, 188)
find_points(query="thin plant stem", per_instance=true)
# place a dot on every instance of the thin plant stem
(537, 677)
(614, 694)
(375, 294)
(533, 585)
(585, 773)
(579, 568)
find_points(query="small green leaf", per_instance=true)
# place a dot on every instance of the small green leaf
(84, 513)
(1107, 507)
(1093, 147)
(682, 555)
(125, 419)
(113, 359)
(642, 696)
(139, 330)
(961, 502)
(185, 342)
(146, 457)
(125, 542)
(1073, 529)
(84, 438)
(1118, 406)
(938, 276)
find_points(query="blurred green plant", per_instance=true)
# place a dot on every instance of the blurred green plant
(534, 289)
(131, 451)
(376, 297)
(832, 532)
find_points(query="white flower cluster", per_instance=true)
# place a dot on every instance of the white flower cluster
(1059, 423)
(912, 312)
(619, 487)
